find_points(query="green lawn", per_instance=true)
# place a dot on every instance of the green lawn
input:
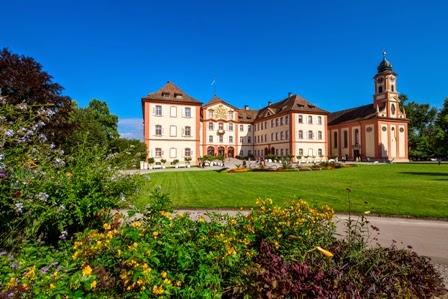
(398, 189)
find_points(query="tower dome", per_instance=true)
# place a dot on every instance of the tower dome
(384, 65)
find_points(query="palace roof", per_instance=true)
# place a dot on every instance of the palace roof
(170, 92)
(293, 103)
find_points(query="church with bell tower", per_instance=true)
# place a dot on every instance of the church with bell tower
(376, 131)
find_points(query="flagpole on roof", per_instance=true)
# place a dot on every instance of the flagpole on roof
(213, 84)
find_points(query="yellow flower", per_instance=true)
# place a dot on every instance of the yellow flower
(52, 286)
(157, 290)
(167, 281)
(324, 252)
(155, 234)
(178, 283)
(136, 224)
(166, 214)
(68, 174)
(86, 271)
(164, 274)
(93, 284)
(31, 272)
(106, 226)
(12, 282)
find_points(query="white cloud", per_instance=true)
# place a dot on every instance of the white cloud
(130, 128)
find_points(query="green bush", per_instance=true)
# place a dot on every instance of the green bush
(47, 195)
(271, 252)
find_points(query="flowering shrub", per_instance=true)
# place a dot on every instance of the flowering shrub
(44, 193)
(161, 254)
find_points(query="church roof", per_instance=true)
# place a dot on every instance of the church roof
(352, 114)
(170, 92)
(293, 103)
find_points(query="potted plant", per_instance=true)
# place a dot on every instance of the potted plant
(174, 162)
(151, 162)
(187, 160)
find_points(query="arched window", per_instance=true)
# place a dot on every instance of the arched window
(310, 134)
(335, 139)
(356, 136)
(211, 151)
(300, 134)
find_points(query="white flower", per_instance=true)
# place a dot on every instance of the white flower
(19, 207)
(2, 156)
(42, 196)
(59, 162)
(63, 235)
(22, 106)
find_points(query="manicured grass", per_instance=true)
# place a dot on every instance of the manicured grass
(398, 189)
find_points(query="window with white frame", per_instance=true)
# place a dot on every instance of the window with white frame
(300, 134)
(158, 130)
(319, 120)
(281, 152)
(286, 119)
(220, 126)
(276, 136)
(310, 119)
(158, 110)
(300, 151)
(319, 135)
(249, 128)
(221, 138)
(272, 123)
(210, 113)
(210, 126)
(230, 126)
(276, 122)
(210, 138)
(187, 112)
(158, 152)
(230, 139)
(300, 119)
(310, 134)
(241, 128)
(281, 121)
(319, 152)
(173, 131)
(173, 152)
(187, 131)
(173, 111)
(281, 135)
(272, 136)
(230, 114)
(241, 139)
(187, 152)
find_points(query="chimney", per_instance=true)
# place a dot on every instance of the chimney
(246, 107)
(269, 103)
(289, 94)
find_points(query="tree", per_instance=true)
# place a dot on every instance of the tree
(442, 131)
(22, 81)
(421, 128)
(95, 124)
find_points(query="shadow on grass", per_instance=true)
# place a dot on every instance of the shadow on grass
(425, 173)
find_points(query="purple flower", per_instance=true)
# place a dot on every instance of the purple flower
(9, 133)
(63, 235)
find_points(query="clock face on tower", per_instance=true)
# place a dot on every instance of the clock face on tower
(221, 112)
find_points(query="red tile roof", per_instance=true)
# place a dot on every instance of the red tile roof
(170, 92)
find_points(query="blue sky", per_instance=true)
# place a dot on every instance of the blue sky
(327, 51)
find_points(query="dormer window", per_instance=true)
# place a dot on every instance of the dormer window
(165, 94)
(178, 96)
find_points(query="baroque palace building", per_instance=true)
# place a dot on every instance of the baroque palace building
(177, 126)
